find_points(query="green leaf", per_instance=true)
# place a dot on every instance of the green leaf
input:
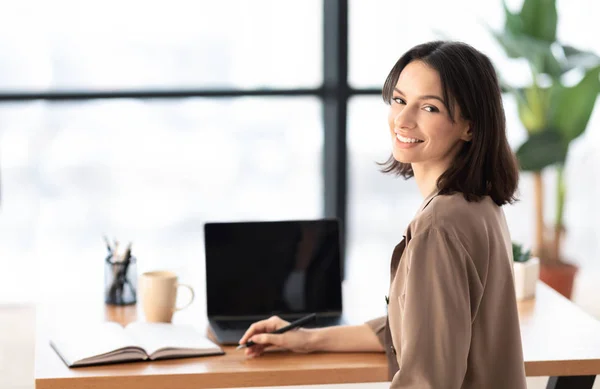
(539, 19)
(550, 65)
(542, 149)
(573, 106)
(537, 52)
(533, 103)
(513, 45)
(518, 254)
(513, 22)
(509, 44)
(575, 58)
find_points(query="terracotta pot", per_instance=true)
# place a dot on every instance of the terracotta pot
(559, 277)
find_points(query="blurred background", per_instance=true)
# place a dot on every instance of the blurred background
(144, 120)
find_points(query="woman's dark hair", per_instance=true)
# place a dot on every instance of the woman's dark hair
(485, 166)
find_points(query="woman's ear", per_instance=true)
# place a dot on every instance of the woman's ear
(467, 134)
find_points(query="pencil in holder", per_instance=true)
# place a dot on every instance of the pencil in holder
(120, 280)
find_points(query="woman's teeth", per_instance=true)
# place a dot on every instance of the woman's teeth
(407, 140)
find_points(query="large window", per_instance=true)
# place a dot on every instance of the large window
(147, 171)
(144, 120)
(150, 170)
(179, 44)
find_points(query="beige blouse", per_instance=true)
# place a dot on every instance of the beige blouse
(452, 312)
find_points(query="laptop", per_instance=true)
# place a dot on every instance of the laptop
(258, 269)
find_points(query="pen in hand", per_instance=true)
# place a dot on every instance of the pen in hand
(291, 326)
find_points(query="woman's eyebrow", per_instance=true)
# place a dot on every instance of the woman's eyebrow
(424, 97)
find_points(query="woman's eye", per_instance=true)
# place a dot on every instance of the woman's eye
(398, 100)
(431, 108)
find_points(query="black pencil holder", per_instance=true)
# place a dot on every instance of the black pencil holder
(120, 281)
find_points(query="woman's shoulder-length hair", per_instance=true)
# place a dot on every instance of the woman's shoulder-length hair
(486, 165)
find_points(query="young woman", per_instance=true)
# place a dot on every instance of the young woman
(452, 314)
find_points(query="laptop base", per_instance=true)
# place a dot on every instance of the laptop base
(231, 331)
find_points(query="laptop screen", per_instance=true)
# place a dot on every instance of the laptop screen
(274, 267)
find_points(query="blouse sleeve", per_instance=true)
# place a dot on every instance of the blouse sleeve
(435, 329)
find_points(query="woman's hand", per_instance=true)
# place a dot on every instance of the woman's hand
(297, 340)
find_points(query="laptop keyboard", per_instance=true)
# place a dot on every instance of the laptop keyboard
(325, 322)
(244, 324)
(235, 324)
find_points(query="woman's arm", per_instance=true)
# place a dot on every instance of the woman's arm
(357, 338)
(360, 338)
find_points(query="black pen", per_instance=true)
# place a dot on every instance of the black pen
(291, 326)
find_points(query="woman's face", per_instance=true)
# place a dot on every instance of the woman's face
(420, 125)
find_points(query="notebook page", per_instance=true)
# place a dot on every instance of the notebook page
(156, 336)
(76, 342)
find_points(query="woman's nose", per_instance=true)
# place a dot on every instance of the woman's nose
(405, 119)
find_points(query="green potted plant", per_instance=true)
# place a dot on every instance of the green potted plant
(526, 272)
(554, 110)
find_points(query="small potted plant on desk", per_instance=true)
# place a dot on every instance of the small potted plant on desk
(526, 272)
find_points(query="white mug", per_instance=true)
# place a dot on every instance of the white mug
(159, 295)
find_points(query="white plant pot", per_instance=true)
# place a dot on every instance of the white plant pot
(526, 276)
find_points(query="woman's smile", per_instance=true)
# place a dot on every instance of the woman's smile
(404, 142)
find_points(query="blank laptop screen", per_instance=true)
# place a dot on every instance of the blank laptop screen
(265, 268)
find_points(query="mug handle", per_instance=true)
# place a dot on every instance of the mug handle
(191, 298)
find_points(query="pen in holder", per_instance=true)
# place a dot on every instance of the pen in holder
(120, 279)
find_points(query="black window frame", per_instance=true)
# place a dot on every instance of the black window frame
(334, 94)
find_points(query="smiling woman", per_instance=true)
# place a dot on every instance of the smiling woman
(416, 98)
(444, 128)
(449, 273)
(452, 317)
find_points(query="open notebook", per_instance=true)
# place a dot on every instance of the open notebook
(109, 342)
